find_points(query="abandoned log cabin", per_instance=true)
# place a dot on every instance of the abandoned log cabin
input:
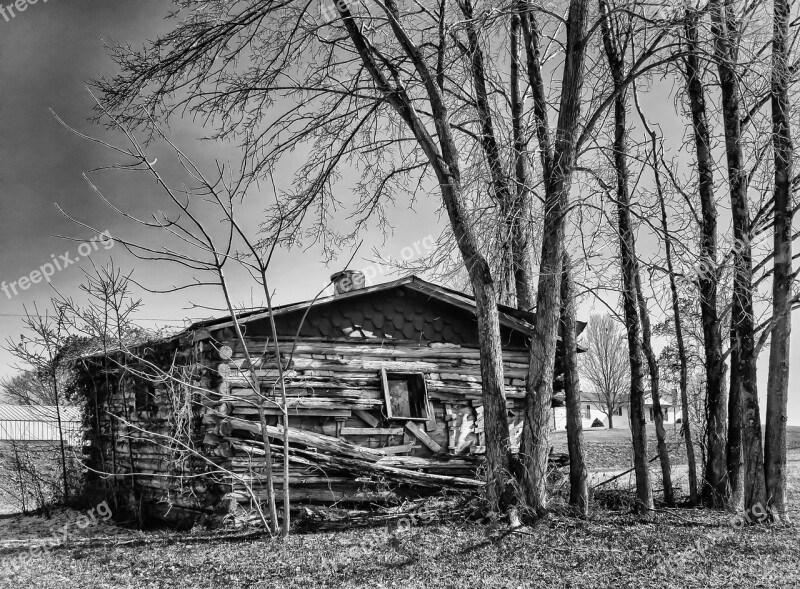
(383, 392)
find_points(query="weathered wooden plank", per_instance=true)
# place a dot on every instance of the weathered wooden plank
(320, 389)
(307, 402)
(414, 429)
(385, 349)
(366, 417)
(361, 467)
(372, 431)
(430, 425)
(303, 437)
(400, 449)
(452, 369)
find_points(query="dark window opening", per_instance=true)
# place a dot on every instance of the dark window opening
(619, 411)
(588, 412)
(406, 395)
(145, 399)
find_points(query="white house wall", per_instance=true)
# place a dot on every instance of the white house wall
(591, 411)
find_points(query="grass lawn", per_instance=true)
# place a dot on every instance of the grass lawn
(622, 435)
(684, 549)
(678, 548)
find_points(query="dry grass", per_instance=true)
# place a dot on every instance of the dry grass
(678, 548)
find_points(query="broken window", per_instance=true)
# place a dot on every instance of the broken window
(406, 395)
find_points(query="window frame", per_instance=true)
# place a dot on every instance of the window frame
(386, 376)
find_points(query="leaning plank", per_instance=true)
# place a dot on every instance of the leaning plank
(366, 417)
(302, 437)
(423, 437)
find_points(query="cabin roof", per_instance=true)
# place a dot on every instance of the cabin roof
(510, 317)
(521, 321)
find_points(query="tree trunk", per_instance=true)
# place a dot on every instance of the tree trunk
(610, 418)
(684, 370)
(558, 167)
(715, 473)
(673, 287)
(522, 232)
(578, 477)
(61, 437)
(498, 492)
(630, 269)
(658, 415)
(782, 277)
(495, 414)
(514, 199)
(733, 448)
(743, 360)
(444, 160)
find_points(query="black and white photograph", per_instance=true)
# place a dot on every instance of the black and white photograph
(399, 294)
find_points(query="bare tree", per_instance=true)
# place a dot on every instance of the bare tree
(743, 410)
(26, 389)
(783, 274)
(617, 33)
(558, 157)
(605, 364)
(708, 278)
(686, 427)
(39, 352)
(578, 476)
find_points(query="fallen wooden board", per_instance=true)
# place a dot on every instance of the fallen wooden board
(359, 467)
(303, 437)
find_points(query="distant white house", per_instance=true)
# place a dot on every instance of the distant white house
(39, 423)
(592, 409)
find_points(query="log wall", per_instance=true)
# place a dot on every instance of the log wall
(185, 441)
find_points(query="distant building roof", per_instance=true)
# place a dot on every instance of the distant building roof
(39, 423)
(38, 413)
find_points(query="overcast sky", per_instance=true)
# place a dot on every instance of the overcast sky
(47, 56)
(48, 53)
